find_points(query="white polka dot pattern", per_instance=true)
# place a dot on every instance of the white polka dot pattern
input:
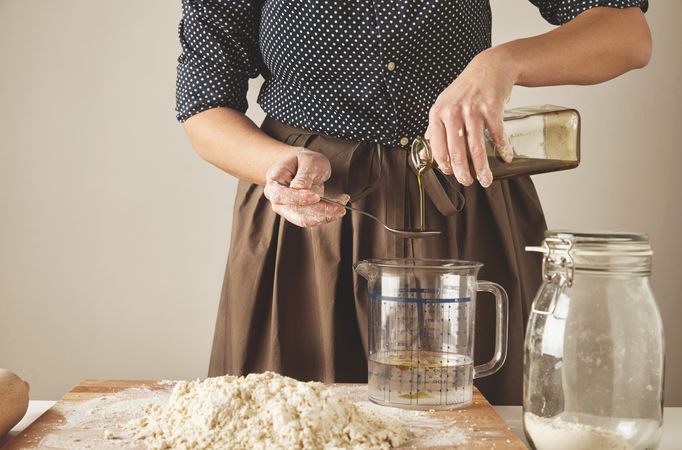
(361, 70)
(219, 53)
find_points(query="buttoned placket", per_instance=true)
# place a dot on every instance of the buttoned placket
(388, 26)
(395, 212)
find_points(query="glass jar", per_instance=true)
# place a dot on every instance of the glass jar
(594, 352)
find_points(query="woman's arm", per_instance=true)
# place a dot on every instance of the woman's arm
(293, 176)
(229, 140)
(220, 53)
(598, 45)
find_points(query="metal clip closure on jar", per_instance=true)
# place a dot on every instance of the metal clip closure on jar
(607, 254)
(557, 251)
(557, 269)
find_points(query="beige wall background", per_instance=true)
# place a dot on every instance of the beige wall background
(114, 234)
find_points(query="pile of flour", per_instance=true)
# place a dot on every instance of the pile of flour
(262, 411)
(557, 434)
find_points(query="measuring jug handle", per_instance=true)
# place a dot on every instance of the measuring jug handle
(501, 327)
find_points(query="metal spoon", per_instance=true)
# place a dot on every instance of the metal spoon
(408, 234)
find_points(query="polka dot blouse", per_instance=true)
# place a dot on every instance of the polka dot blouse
(362, 69)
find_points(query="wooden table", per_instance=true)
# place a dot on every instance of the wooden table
(94, 407)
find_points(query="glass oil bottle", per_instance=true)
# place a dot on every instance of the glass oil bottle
(543, 139)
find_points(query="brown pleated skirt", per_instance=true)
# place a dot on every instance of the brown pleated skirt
(291, 303)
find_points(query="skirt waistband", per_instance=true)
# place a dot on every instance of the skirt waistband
(357, 165)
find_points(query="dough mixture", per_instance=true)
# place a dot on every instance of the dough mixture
(262, 411)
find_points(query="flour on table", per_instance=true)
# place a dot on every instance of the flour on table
(111, 421)
(426, 430)
(97, 422)
(263, 411)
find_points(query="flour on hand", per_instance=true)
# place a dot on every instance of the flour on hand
(262, 411)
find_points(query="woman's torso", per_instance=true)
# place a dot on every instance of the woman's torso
(365, 70)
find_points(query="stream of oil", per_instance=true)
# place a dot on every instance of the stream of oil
(420, 170)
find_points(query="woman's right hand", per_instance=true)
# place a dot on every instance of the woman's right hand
(294, 186)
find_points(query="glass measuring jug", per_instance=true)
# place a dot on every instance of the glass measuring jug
(421, 331)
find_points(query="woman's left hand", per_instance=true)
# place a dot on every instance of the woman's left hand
(472, 103)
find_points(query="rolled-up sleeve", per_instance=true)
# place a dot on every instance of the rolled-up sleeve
(558, 12)
(220, 52)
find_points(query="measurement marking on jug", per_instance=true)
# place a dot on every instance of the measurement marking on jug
(419, 300)
(448, 347)
(423, 361)
(442, 340)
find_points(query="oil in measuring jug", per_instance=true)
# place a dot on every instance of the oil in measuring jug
(420, 379)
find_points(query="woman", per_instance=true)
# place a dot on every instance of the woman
(348, 85)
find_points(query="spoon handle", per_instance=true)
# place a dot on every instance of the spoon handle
(350, 208)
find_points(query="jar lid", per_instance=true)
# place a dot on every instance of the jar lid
(604, 242)
(614, 252)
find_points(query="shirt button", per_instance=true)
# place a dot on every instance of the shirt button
(390, 66)
(404, 141)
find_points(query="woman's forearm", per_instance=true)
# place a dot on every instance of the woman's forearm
(598, 45)
(232, 142)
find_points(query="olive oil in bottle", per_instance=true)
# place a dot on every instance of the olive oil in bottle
(543, 139)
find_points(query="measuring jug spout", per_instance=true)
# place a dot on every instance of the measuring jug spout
(366, 269)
